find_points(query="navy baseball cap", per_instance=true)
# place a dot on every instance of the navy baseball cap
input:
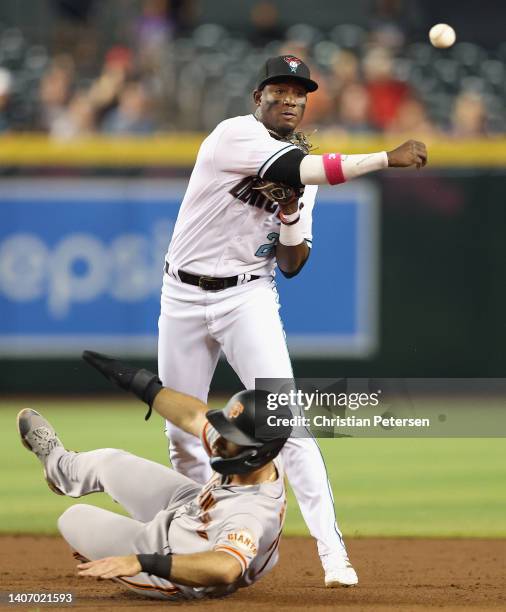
(276, 68)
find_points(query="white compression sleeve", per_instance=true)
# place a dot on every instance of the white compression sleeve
(356, 165)
(312, 171)
(312, 168)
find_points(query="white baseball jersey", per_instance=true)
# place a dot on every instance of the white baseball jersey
(224, 227)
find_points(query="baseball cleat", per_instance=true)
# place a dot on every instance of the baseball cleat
(39, 437)
(339, 572)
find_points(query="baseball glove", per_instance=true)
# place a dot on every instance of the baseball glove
(302, 141)
(277, 192)
(299, 139)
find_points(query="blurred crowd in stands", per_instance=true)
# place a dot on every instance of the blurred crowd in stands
(168, 75)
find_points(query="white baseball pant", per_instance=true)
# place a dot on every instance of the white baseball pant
(244, 323)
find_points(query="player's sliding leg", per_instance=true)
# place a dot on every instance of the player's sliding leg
(254, 344)
(187, 358)
(142, 487)
(95, 533)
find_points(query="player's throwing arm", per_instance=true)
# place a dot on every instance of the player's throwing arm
(330, 169)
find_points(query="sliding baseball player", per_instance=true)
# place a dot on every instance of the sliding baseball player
(182, 540)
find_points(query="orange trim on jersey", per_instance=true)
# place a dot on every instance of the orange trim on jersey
(273, 543)
(235, 552)
(78, 557)
(209, 503)
(274, 547)
(205, 497)
(203, 534)
(205, 441)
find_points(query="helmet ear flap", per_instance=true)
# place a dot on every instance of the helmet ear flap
(235, 465)
(248, 460)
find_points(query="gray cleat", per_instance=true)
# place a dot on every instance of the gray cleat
(39, 437)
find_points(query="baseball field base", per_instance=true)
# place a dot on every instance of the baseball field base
(395, 574)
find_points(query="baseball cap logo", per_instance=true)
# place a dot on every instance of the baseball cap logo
(293, 62)
(236, 410)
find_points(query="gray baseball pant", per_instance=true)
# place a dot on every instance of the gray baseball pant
(148, 491)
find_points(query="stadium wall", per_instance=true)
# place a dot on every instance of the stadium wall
(440, 256)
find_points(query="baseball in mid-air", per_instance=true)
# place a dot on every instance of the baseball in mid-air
(442, 35)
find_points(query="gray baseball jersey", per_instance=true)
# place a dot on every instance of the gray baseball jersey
(169, 513)
(242, 521)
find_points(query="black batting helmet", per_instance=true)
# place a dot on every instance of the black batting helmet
(244, 421)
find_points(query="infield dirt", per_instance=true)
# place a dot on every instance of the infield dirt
(395, 574)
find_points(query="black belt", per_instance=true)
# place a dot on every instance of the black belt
(209, 283)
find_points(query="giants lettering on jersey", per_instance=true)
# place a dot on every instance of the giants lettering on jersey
(244, 192)
(243, 539)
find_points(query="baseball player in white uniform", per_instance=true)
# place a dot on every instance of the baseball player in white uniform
(182, 540)
(247, 209)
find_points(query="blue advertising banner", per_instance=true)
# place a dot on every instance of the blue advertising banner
(81, 265)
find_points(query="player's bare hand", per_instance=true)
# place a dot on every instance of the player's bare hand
(111, 567)
(410, 153)
(290, 207)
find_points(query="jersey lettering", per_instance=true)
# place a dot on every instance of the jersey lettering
(243, 539)
(266, 250)
(212, 237)
(244, 192)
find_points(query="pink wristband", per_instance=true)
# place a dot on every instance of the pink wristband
(333, 168)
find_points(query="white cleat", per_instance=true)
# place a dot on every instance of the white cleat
(341, 577)
(339, 572)
(39, 437)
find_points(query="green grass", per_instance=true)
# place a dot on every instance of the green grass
(401, 487)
